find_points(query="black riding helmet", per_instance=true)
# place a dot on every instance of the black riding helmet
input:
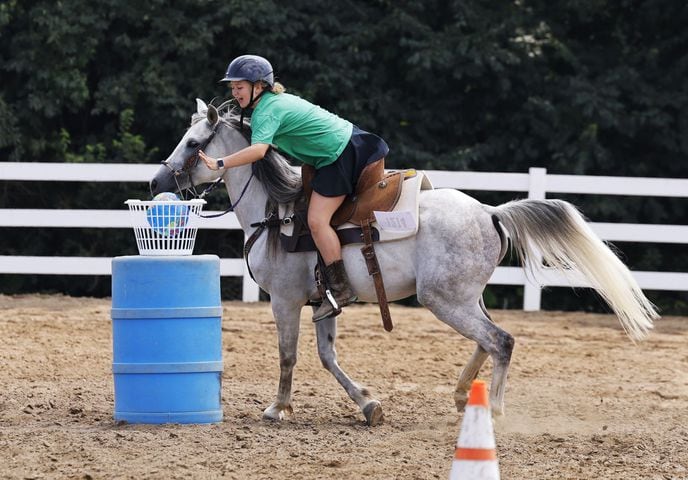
(252, 68)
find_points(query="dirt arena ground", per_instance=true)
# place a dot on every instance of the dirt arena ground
(583, 402)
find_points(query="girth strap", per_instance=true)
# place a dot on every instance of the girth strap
(368, 251)
(271, 220)
(249, 244)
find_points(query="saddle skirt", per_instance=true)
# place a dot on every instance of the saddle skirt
(389, 202)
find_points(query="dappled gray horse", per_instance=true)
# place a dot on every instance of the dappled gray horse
(446, 264)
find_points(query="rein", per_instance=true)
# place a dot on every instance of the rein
(231, 206)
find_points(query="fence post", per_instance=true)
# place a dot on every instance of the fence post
(532, 293)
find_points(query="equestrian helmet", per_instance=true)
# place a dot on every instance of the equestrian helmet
(250, 67)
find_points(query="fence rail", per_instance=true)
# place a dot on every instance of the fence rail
(536, 184)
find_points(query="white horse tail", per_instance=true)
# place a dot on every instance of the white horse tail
(555, 231)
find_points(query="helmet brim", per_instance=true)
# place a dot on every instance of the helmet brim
(231, 79)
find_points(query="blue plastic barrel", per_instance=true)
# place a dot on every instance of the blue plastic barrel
(167, 339)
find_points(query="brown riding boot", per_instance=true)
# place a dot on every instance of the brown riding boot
(338, 294)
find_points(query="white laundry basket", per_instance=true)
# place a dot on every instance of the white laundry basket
(165, 227)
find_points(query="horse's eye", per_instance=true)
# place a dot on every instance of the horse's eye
(192, 144)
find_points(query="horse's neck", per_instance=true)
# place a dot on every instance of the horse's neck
(250, 203)
(244, 191)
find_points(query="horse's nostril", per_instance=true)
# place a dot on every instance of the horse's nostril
(153, 186)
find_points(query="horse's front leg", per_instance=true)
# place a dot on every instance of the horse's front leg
(326, 332)
(287, 319)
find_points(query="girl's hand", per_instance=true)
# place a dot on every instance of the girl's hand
(210, 162)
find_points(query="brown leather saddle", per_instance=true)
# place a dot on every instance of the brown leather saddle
(375, 191)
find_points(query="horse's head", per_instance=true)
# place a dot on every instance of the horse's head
(183, 170)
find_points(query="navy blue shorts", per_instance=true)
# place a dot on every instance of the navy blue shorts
(341, 176)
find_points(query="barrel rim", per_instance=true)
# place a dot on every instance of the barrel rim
(169, 312)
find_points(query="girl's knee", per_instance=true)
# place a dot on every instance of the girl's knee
(316, 222)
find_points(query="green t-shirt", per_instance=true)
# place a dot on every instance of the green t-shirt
(301, 129)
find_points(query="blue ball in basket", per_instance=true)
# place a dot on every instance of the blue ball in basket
(167, 219)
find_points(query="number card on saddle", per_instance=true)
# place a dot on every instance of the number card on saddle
(357, 220)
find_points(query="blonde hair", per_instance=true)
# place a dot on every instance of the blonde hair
(278, 88)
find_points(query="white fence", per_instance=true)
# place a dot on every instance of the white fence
(537, 183)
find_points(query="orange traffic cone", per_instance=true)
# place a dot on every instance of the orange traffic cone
(475, 457)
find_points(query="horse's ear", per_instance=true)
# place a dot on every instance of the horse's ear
(212, 115)
(201, 107)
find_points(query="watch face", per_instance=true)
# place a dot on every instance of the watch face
(220, 164)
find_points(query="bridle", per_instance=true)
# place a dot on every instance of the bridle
(191, 162)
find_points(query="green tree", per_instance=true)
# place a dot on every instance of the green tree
(580, 87)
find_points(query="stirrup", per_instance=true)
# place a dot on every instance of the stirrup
(333, 301)
(335, 308)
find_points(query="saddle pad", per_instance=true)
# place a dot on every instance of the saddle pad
(399, 223)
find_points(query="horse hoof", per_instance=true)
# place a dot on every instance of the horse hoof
(373, 413)
(460, 399)
(497, 411)
(275, 413)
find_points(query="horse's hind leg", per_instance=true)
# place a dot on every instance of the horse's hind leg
(473, 323)
(326, 332)
(468, 374)
(471, 370)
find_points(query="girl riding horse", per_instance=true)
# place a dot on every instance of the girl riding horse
(338, 150)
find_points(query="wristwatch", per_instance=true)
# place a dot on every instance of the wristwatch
(220, 164)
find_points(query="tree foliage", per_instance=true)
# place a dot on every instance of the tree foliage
(591, 87)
